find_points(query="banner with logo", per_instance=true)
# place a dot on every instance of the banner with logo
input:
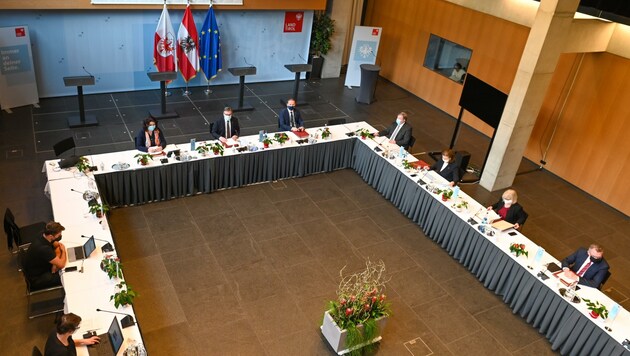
(169, 2)
(293, 21)
(18, 86)
(364, 49)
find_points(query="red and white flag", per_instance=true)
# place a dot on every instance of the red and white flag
(188, 46)
(164, 44)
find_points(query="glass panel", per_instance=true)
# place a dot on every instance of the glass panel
(447, 58)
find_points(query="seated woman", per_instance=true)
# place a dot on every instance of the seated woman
(150, 139)
(60, 342)
(447, 167)
(509, 210)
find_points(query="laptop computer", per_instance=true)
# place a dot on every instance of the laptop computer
(110, 342)
(82, 252)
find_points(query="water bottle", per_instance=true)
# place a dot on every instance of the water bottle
(261, 135)
(192, 144)
(401, 152)
(455, 192)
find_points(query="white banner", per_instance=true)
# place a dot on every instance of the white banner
(364, 49)
(18, 86)
(168, 2)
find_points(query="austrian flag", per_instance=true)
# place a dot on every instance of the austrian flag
(164, 45)
(188, 46)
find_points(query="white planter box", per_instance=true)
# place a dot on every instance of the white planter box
(337, 337)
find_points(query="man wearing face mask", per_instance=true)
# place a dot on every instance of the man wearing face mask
(290, 118)
(399, 132)
(509, 209)
(150, 139)
(446, 167)
(588, 267)
(226, 127)
(45, 257)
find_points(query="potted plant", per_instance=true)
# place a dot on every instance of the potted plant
(406, 165)
(461, 205)
(322, 31)
(83, 165)
(518, 249)
(124, 296)
(99, 209)
(203, 149)
(143, 158)
(266, 142)
(112, 266)
(357, 317)
(326, 133)
(596, 309)
(216, 148)
(446, 194)
(364, 134)
(281, 138)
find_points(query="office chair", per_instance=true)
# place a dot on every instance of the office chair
(608, 274)
(336, 121)
(41, 301)
(62, 147)
(20, 235)
(412, 142)
(36, 351)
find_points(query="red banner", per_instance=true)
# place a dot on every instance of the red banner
(293, 21)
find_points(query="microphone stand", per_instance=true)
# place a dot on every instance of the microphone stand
(126, 322)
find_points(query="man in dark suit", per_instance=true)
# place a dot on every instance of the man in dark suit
(447, 167)
(226, 127)
(290, 118)
(399, 132)
(588, 267)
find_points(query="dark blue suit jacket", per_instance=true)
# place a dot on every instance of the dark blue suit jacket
(218, 128)
(284, 121)
(141, 144)
(450, 173)
(594, 275)
(402, 138)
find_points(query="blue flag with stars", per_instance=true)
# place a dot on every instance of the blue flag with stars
(210, 46)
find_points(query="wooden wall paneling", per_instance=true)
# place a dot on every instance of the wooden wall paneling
(86, 5)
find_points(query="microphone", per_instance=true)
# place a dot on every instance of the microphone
(106, 248)
(87, 71)
(472, 218)
(82, 261)
(249, 64)
(126, 322)
(421, 180)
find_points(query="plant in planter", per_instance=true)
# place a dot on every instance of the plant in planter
(406, 164)
(322, 31)
(358, 315)
(518, 249)
(461, 205)
(266, 142)
(203, 149)
(216, 148)
(326, 133)
(124, 296)
(596, 309)
(364, 134)
(99, 209)
(446, 193)
(143, 158)
(112, 266)
(83, 165)
(281, 138)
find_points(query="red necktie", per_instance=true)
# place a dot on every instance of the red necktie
(583, 270)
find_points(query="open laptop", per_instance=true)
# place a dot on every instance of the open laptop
(82, 252)
(110, 342)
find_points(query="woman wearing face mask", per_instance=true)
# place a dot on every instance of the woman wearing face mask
(447, 167)
(60, 341)
(150, 139)
(509, 210)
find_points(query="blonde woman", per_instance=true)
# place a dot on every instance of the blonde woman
(509, 209)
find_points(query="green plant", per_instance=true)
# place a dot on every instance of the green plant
(216, 148)
(143, 158)
(597, 308)
(267, 141)
(83, 165)
(326, 133)
(203, 149)
(364, 133)
(323, 29)
(518, 249)
(112, 266)
(281, 137)
(360, 301)
(124, 296)
(462, 204)
(446, 193)
(99, 209)
(406, 164)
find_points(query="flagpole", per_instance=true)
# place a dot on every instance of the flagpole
(186, 92)
(208, 91)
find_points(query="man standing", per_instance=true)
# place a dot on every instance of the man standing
(290, 118)
(226, 127)
(45, 257)
(399, 132)
(588, 267)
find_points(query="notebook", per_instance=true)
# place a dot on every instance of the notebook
(82, 252)
(300, 134)
(110, 342)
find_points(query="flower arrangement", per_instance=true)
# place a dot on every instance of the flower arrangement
(462, 204)
(326, 133)
(364, 134)
(203, 149)
(124, 296)
(266, 142)
(406, 164)
(596, 309)
(281, 137)
(83, 165)
(216, 148)
(446, 193)
(112, 266)
(518, 249)
(99, 209)
(143, 158)
(360, 302)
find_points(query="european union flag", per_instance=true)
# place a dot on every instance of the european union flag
(210, 46)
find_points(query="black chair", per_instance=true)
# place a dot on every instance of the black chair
(608, 274)
(336, 121)
(412, 142)
(462, 159)
(42, 301)
(36, 351)
(62, 147)
(20, 236)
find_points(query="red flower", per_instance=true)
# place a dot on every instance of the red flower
(374, 299)
(522, 246)
(382, 297)
(349, 311)
(343, 301)
(353, 298)
(366, 307)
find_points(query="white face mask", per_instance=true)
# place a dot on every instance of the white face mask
(507, 202)
(227, 117)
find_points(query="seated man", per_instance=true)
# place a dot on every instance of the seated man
(399, 132)
(588, 267)
(458, 73)
(226, 127)
(290, 118)
(45, 257)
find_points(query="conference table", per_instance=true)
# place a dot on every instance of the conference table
(567, 325)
